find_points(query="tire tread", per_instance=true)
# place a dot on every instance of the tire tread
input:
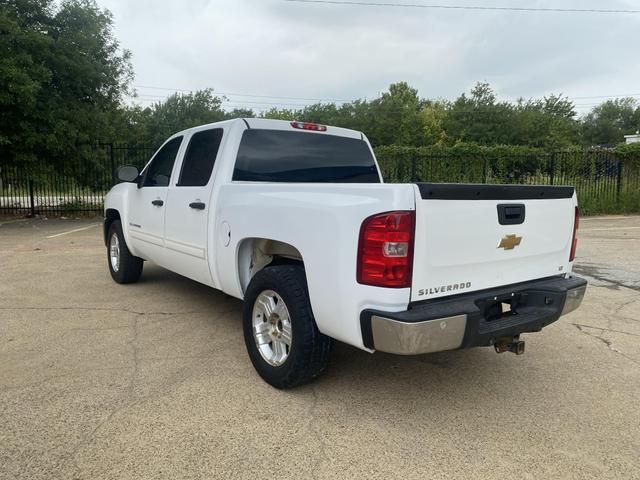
(310, 356)
(130, 265)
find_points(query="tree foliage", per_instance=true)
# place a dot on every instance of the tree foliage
(62, 77)
(608, 122)
(401, 117)
(154, 124)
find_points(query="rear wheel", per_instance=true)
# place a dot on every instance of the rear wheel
(123, 266)
(282, 339)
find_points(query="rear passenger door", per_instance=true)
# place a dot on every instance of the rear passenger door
(188, 206)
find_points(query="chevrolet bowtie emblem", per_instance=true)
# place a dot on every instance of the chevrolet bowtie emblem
(509, 242)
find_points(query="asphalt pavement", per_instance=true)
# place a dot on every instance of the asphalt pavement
(104, 381)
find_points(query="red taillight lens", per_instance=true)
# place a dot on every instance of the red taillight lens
(309, 126)
(574, 240)
(385, 252)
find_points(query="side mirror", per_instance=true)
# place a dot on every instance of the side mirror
(128, 173)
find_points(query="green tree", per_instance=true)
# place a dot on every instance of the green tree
(152, 125)
(281, 114)
(62, 77)
(22, 75)
(479, 117)
(548, 123)
(396, 116)
(432, 117)
(609, 122)
(241, 113)
(323, 113)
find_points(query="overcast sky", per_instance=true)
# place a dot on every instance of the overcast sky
(320, 51)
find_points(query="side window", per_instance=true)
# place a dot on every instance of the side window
(200, 157)
(159, 171)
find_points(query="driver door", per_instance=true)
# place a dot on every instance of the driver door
(147, 203)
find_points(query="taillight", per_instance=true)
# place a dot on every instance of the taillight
(309, 126)
(385, 251)
(574, 240)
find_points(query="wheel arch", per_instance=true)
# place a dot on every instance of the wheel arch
(255, 253)
(110, 216)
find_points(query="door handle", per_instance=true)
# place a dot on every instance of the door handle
(157, 203)
(197, 205)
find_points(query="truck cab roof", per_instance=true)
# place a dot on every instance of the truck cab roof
(270, 124)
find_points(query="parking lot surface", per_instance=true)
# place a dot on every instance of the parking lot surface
(104, 381)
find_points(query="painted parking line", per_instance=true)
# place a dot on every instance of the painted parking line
(607, 218)
(607, 229)
(9, 222)
(73, 231)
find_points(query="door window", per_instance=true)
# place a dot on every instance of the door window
(200, 158)
(159, 171)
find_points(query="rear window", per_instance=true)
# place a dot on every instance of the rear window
(282, 156)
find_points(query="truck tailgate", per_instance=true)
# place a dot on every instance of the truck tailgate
(474, 237)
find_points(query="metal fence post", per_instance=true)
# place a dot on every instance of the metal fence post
(31, 199)
(413, 168)
(113, 164)
(619, 179)
(485, 172)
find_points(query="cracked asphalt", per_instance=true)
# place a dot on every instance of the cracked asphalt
(103, 381)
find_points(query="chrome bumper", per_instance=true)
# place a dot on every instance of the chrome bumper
(462, 321)
(402, 338)
(573, 299)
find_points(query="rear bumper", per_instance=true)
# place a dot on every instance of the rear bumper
(472, 320)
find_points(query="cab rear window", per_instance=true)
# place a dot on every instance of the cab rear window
(283, 156)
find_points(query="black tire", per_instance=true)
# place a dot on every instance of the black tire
(130, 267)
(308, 355)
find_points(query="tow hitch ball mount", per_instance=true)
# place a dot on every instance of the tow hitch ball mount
(510, 344)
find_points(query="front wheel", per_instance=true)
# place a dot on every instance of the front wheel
(123, 266)
(282, 339)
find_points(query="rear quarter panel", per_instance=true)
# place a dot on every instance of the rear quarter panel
(323, 222)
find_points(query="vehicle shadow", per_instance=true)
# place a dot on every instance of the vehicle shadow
(439, 377)
(202, 296)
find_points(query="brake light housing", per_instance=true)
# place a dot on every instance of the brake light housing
(385, 250)
(574, 239)
(309, 126)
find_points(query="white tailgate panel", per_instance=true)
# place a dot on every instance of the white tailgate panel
(457, 245)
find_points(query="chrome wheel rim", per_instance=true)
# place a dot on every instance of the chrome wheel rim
(114, 252)
(272, 328)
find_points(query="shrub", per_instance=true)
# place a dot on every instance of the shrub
(606, 180)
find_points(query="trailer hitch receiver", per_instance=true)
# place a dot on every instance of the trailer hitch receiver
(510, 344)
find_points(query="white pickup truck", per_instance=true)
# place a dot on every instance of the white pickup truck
(294, 219)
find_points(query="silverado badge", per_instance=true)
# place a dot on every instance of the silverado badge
(509, 242)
